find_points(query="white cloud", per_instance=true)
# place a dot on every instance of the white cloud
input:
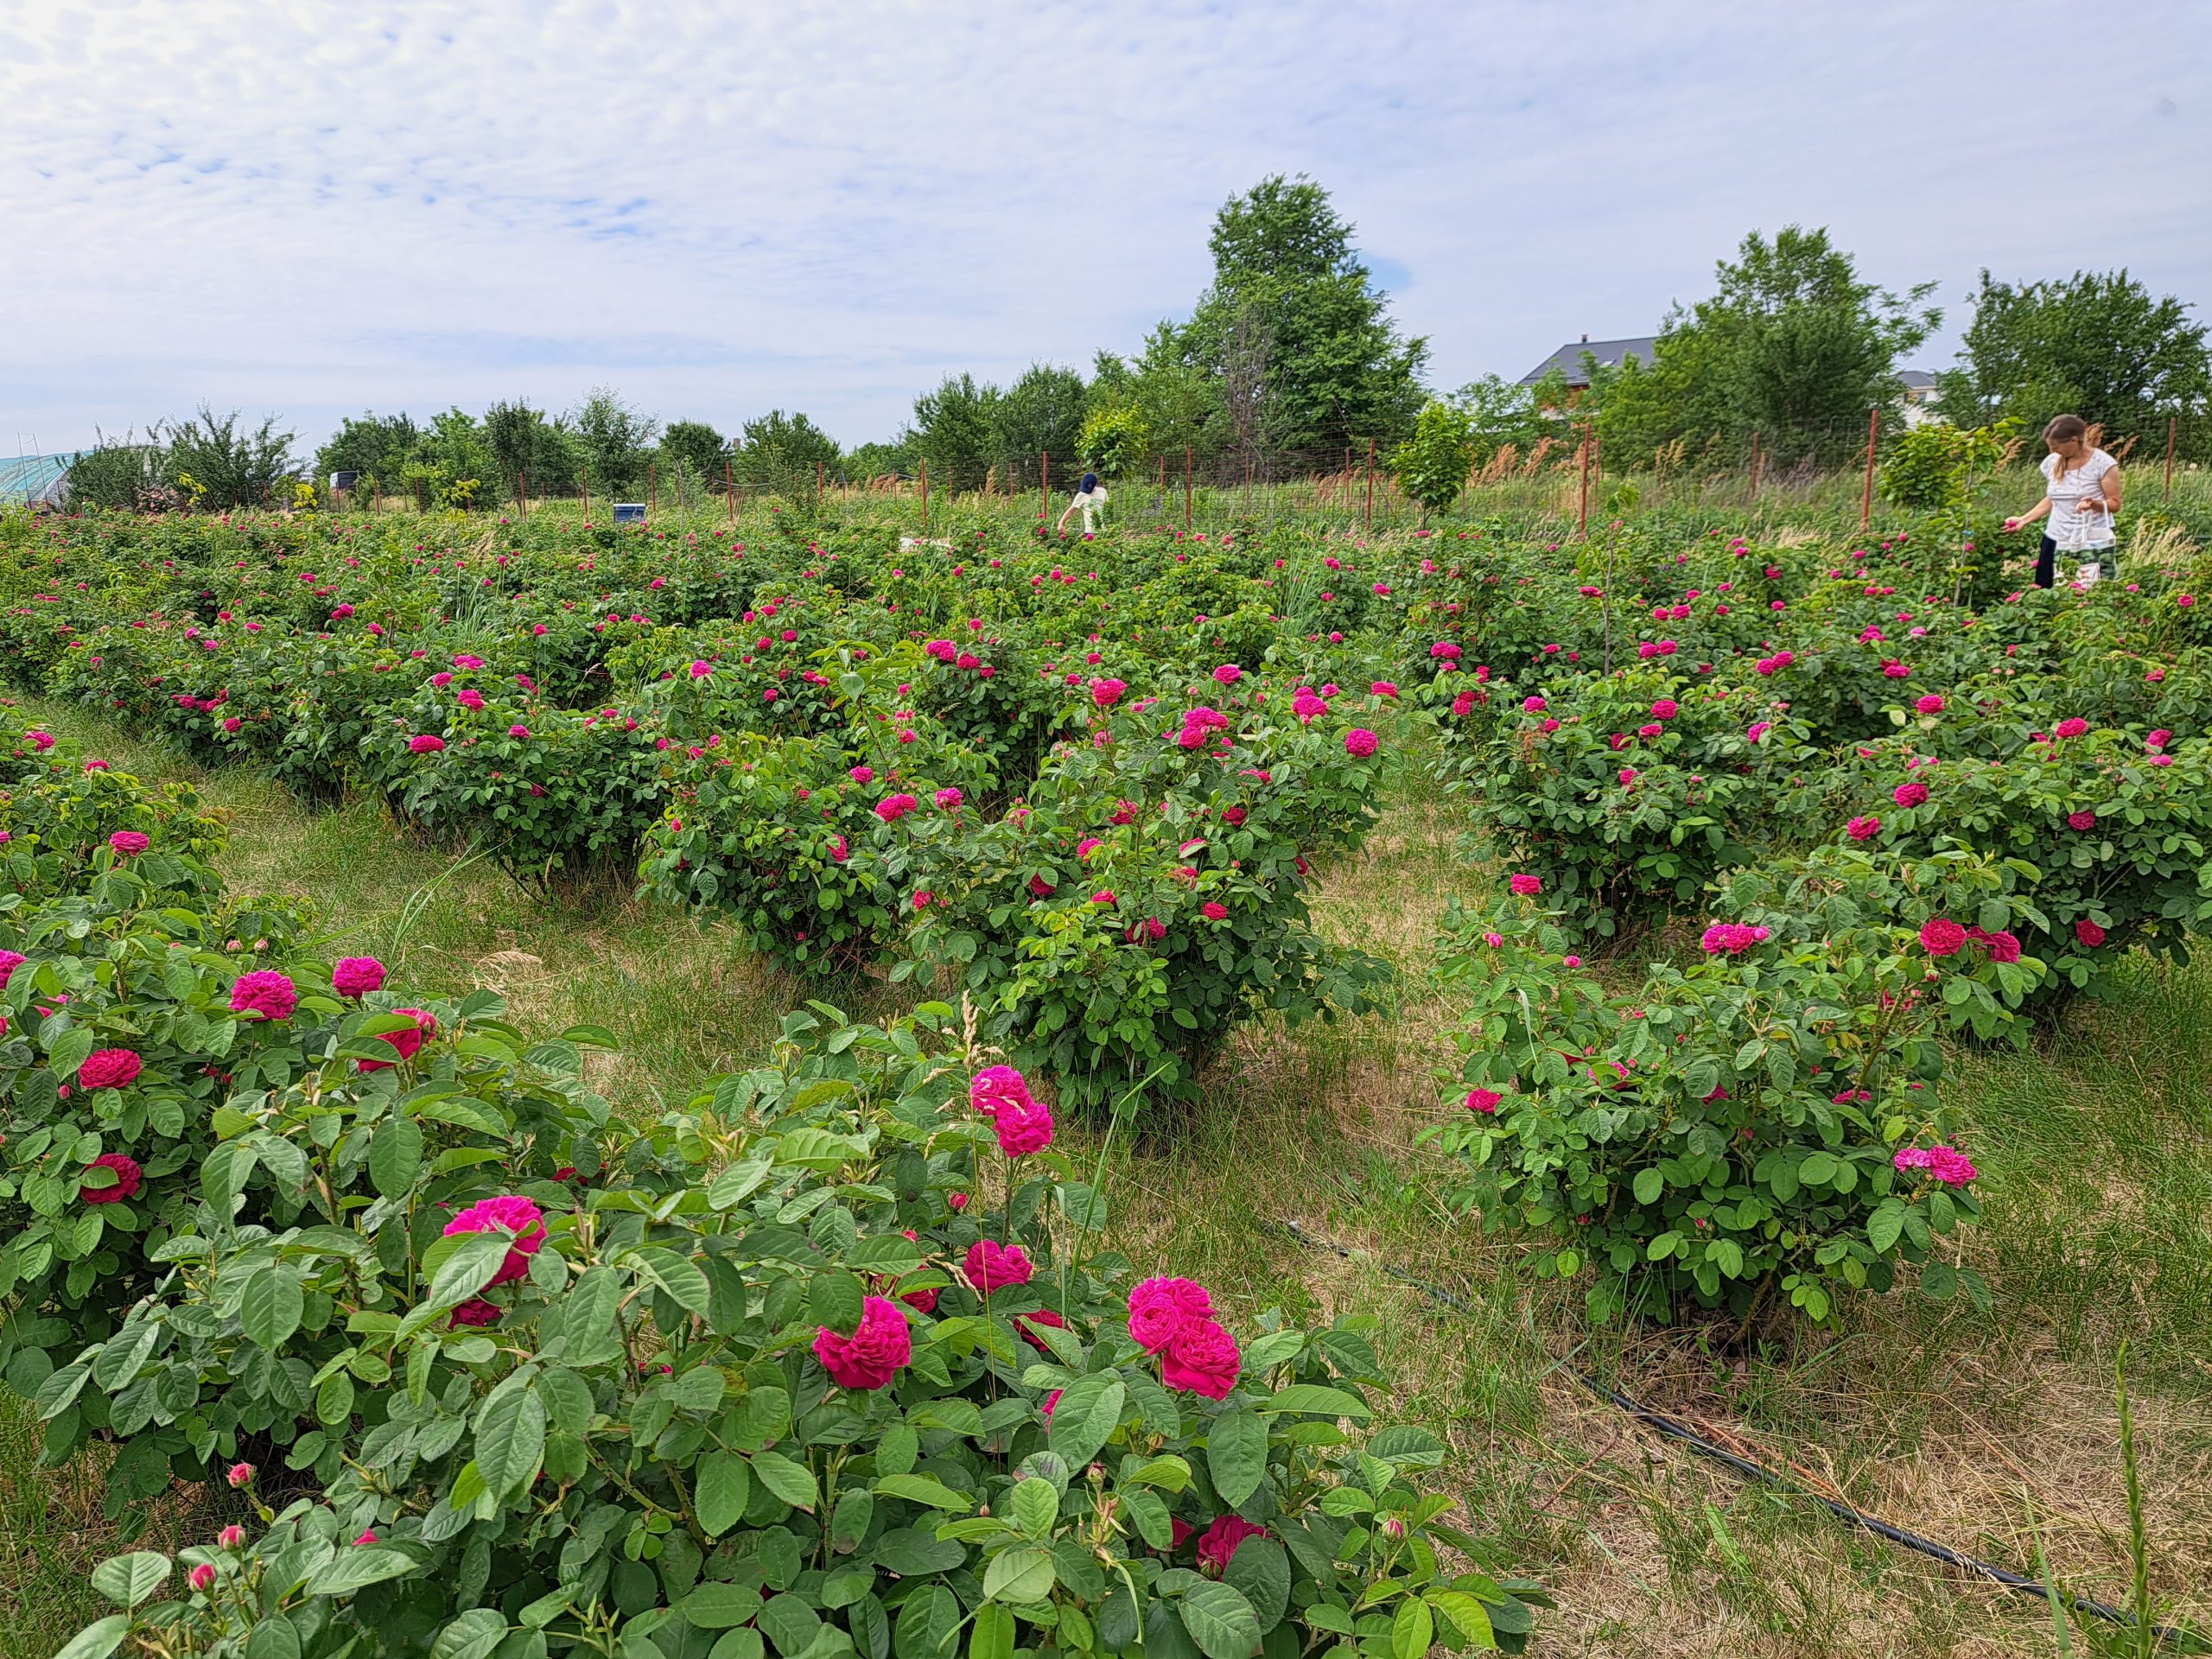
(316, 208)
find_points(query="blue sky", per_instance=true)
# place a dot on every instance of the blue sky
(311, 208)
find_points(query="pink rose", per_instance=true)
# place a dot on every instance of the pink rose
(514, 1215)
(357, 975)
(128, 1179)
(873, 1354)
(1161, 1309)
(1202, 1359)
(270, 995)
(990, 1265)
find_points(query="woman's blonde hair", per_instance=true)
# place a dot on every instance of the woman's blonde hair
(2064, 430)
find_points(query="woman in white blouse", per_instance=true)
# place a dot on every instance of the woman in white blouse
(2081, 493)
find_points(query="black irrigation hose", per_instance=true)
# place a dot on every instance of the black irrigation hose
(2187, 1641)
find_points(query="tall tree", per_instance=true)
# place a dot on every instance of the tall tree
(2099, 345)
(1794, 345)
(376, 446)
(696, 447)
(527, 448)
(1295, 329)
(616, 440)
(955, 431)
(783, 452)
(1040, 413)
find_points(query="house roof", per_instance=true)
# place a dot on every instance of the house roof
(33, 478)
(1567, 360)
(1917, 379)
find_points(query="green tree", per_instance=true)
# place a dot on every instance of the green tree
(955, 430)
(1161, 403)
(615, 440)
(376, 446)
(1296, 330)
(697, 448)
(1501, 411)
(452, 462)
(526, 445)
(1042, 413)
(231, 466)
(1793, 345)
(1432, 466)
(2099, 345)
(783, 452)
(871, 460)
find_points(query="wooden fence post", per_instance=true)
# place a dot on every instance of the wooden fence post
(1758, 459)
(1369, 526)
(730, 491)
(524, 496)
(1866, 495)
(1187, 489)
(1582, 511)
(2171, 421)
(925, 495)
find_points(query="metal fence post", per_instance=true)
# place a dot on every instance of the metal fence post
(1866, 495)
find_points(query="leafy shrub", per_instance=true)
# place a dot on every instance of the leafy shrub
(1729, 1137)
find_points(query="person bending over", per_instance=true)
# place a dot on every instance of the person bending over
(2081, 495)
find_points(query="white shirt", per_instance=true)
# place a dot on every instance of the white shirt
(2071, 528)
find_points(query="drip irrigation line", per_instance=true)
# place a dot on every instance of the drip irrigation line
(2186, 1641)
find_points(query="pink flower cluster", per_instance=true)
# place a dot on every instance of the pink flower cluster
(1731, 939)
(1024, 1123)
(873, 1354)
(268, 993)
(523, 1221)
(1945, 1164)
(1174, 1317)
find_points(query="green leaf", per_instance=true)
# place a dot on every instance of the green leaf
(792, 1482)
(1413, 1627)
(271, 1307)
(923, 1488)
(1886, 1226)
(1314, 1398)
(510, 1439)
(1220, 1621)
(1649, 1184)
(723, 1484)
(468, 1270)
(588, 1317)
(1021, 1575)
(927, 1620)
(129, 1580)
(1236, 1454)
(1939, 1281)
(789, 1622)
(837, 1300)
(912, 1553)
(99, 1639)
(1261, 1571)
(472, 1636)
(737, 1182)
(357, 1566)
(1089, 1408)
(394, 1156)
(716, 1607)
(1464, 1611)
(677, 1274)
(992, 1637)
(743, 1642)
(1036, 1506)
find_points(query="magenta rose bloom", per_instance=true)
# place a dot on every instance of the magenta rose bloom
(511, 1214)
(409, 1043)
(2080, 820)
(1024, 1123)
(872, 1355)
(1217, 1543)
(1024, 1322)
(357, 975)
(992, 1267)
(1202, 1359)
(892, 807)
(1484, 1101)
(1360, 742)
(128, 1179)
(1864, 828)
(1107, 693)
(2073, 728)
(266, 993)
(110, 1068)
(425, 743)
(1161, 1309)
(1942, 937)
(2085, 929)
(1945, 1164)
(1526, 886)
(1911, 794)
(129, 842)
(9, 961)
(1214, 910)
(475, 1311)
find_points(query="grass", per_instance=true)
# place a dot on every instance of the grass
(1997, 1434)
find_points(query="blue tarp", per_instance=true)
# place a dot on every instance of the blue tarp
(34, 478)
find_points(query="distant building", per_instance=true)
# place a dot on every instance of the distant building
(1608, 353)
(34, 480)
(1921, 397)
